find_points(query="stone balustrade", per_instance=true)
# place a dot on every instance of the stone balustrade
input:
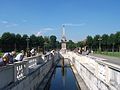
(25, 70)
(20, 70)
(97, 74)
(6, 75)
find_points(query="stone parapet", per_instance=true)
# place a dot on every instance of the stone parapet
(26, 74)
(97, 74)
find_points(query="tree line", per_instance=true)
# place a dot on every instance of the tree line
(10, 41)
(103, 42)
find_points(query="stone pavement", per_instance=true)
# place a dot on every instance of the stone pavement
(110, 59)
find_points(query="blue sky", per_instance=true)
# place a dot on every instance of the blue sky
(45, 17)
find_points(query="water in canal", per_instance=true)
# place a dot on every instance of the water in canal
(62, 78)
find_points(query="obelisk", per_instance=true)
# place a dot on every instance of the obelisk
(63, 40)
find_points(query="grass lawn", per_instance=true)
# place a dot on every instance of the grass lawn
(1, 54)
(115, 54)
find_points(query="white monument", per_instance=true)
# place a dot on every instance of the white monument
(63, 40)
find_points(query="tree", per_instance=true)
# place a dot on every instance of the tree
(105, 41)
(71, 45)
(89, 42)
(117, 40)
(96, 42)
(53, 41)
(24, 41)
(47, 45)
(40, 42)
(18, 42)
(8, 41)
(80, 44)
(111, 41)
(33, 41)
(58, 45)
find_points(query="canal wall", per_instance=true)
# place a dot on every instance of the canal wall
(97, 74)
(26, 74)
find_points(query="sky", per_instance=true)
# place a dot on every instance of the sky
(46, 17)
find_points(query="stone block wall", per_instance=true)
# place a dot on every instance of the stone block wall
(26, 74)
(97, 74)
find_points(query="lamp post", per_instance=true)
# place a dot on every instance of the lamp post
(38, 49)
(15, 46)
(99, 39)
(45, 43)
(27, 43)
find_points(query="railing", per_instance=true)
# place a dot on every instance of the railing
(14, 72)
(108, 72)
(20, 70)
(6, 75)
(96, 73)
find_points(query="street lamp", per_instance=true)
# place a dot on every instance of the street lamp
(15, 46)
(99, 39)
(27, 43)
(45, 43)
(38, 49)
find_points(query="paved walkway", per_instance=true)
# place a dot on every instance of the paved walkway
(110, 59)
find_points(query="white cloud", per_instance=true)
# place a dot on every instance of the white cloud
(71, 24)
(42, 31)
(47, 29)
(4, 22)
(39, 33)
(11, 25)
(8, 24)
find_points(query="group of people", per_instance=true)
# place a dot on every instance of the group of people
(31, 52)
(11, 57)
(82, 51)
(79, 51)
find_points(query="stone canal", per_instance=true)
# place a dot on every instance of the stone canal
(63, 78)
